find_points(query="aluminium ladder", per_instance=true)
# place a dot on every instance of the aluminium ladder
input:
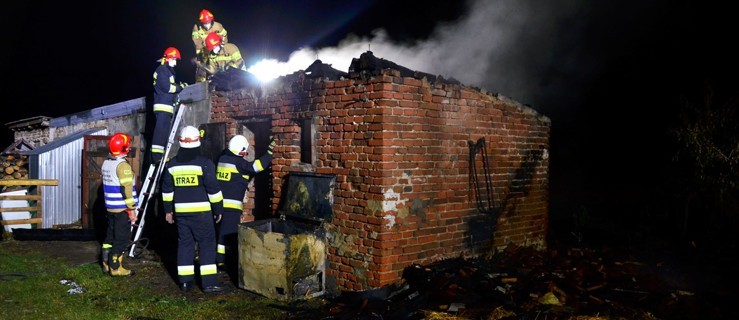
(152, 179)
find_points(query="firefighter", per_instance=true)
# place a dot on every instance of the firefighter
(221, 57)
(166, 89)
(120, 203)
(199, 33)
(192, 197)
(234, 173)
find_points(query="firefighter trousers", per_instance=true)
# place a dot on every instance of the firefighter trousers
(162, 128)
(119, 232)
(191, 229)
(227, 236)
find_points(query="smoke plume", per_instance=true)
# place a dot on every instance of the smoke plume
(529, 50)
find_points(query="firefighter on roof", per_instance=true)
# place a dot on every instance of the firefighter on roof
(166, 89)
(192, 197)
(199, 33)
(120, 203)
(234, 173)
(222, 56)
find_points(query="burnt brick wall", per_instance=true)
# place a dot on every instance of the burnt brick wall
(399, 147)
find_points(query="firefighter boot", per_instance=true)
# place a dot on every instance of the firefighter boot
(105, 259)
(116, 267)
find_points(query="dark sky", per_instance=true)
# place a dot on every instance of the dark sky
(608, 73)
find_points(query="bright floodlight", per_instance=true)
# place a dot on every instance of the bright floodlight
(266, 70)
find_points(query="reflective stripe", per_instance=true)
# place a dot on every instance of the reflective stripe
(258, 166)
(125, 180)
(227, 167)
(163, 107)
(185, 270)
(246, 176)
(168, 196)
(130, 201)
(216, 197)
(221, 249)
(233, 204)
(187, 169)
(208, 269)
(107, 245)
(172, 85)
(191, 207)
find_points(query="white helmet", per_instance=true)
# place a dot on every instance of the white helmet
(189, 137)
(238, 145)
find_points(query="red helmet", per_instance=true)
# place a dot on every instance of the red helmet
(172, 52)
(206, 16)
(119, 144)
(212, 40)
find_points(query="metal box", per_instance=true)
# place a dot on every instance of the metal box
(285, 258)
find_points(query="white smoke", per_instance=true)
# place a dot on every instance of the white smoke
(524, 49)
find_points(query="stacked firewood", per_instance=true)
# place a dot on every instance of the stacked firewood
(13, 167)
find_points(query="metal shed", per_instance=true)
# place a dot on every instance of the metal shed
(61, 159)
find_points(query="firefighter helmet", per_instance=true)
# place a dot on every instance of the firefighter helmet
(212, 40)
(172, 53)
(205, 16)
(238, 145)
(189, 137)
(119, 144)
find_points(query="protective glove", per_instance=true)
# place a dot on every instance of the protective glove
(131, 215)
(271, 146)
(195, 61)
(217, 217)
(169, 217)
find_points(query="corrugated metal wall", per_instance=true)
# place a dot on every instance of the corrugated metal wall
(62, 203)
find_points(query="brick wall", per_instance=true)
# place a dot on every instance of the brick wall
(399, 147)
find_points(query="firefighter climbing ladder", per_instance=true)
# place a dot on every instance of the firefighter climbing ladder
(151, 181)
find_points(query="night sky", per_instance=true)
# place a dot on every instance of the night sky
(609, 74)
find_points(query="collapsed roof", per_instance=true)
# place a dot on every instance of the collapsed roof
(366, 66)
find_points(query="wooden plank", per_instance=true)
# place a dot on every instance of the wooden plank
(40, 212)
(19, 197)
(21, 221)
(30, 182)
(18, 209)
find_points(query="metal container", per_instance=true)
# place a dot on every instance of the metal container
(285, 258)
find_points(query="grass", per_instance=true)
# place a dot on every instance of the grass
(30, 288)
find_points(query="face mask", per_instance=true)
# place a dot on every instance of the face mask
(172, 62)
(208, 25)
(217, 49)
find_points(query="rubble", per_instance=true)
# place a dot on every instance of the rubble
(522, 283)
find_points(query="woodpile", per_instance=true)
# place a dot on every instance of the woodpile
(13, 167)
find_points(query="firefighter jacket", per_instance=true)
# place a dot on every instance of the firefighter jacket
(234, 173)
(190, 187)
(199, 34)
(165, 88)
(228, 57)
(118, 187)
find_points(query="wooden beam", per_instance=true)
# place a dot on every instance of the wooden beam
(19, 197)
(30, 182)
(18, 209)
(21, 221)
